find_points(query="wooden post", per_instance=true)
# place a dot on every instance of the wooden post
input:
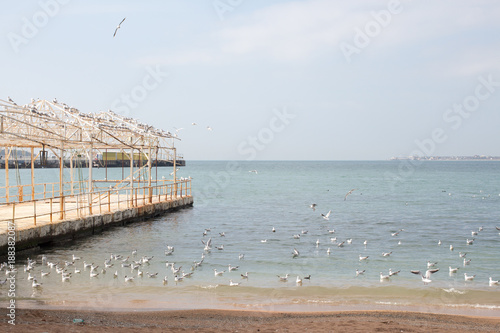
(61, 185)
(50, 210)
(71, 172)
(7, 153)
(32, 175)
(109, 201)
(34, 212)
(90, 167)
(175, 172)
(150, 194)
(132, 175)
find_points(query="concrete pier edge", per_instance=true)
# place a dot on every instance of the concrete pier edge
(39, 235)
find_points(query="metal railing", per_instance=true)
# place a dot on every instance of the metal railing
(79, 205)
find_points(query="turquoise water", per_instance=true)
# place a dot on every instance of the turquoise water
(431, 202)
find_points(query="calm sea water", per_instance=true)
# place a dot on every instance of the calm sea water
(430, 202)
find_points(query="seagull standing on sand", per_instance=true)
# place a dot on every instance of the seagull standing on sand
(118, 27)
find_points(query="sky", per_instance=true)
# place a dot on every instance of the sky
(273, 79)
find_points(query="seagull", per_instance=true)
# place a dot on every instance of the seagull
(439, 242)
(295, 253)
(469, 277)
(307, 277)
(244, 276)
(360, 272)
(467, 262)
(118, 27)
(331, 231)
(298, 280)
(241, 256)
(92, 274)
(233, 284)
(304, 232)
(493, 282)
(263, 240)
(42, 273)
(274, 230)
(453, 270)
(391, 273)
(194, 124)
(386, 254)
(129, 278)
(254, 171)
(470, 241)
(36, 284)
(361, 258)
(232, 268)
(427, 274)
(462, 254)
(152, 275)
(327, 216)
(218, 273)
(383, 277)
(328, 251)
(313, 206)
(178, 278)
(317, 242)
(65, 278)
(451, 247)
(77, 271)
(76, 258)
(165, 280)
(283, 278)
(426, 280)
(115, 275)
(349, 193)
(431, 264)
(296, 236)
(209, 128)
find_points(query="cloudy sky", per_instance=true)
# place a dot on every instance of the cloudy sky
(274, 79)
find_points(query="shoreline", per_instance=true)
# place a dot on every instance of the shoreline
(207, 320)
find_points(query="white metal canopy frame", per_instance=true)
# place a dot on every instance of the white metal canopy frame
(43, 126)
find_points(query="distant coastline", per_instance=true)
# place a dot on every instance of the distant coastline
(448, 158)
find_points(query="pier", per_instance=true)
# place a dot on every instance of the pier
(78, 204)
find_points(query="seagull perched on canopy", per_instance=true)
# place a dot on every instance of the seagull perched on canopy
(118, 27)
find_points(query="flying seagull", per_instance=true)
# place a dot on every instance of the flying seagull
(118, 27)
(349, 193)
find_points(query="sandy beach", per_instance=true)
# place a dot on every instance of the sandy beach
(245, 321)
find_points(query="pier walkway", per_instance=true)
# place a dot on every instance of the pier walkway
(47, 220)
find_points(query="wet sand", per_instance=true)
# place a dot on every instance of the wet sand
(244, 321)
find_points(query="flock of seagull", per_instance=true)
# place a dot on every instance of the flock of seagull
(133, 266)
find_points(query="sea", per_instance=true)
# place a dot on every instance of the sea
(418, 213)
